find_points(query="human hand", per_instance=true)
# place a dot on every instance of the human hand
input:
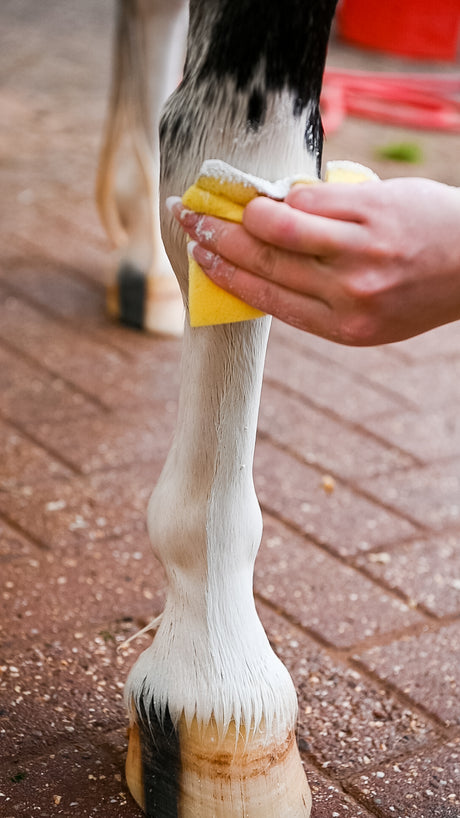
(361, 264)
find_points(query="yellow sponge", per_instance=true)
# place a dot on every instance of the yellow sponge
(210, 304)
(348, 172)
(202, 201)
(223, 191)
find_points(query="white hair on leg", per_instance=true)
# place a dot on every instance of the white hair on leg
(213, 710)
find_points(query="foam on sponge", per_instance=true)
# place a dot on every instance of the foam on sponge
(223, 191)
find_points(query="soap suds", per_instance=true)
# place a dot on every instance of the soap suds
(207, 235)
(216, 169)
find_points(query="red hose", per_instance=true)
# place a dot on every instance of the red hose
(425, 101)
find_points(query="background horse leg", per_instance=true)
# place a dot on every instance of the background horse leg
(148, 57)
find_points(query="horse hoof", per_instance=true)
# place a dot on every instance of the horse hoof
(187, 771)
(146, 302)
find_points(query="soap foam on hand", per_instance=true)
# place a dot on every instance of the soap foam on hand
(223, 191)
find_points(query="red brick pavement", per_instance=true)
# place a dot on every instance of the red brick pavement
(359, 588)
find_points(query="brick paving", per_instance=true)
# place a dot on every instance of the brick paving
(358, 587)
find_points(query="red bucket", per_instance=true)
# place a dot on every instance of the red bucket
(428, 29)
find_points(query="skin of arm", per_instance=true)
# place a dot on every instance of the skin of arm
(364, 264)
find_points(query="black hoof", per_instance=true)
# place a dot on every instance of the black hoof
(132, 295)
(161, 766)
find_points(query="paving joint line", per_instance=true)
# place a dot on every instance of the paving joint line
(66, 323)
(44, 447)
(345, 657)
(107, 468)
(441, 726)
(350, 562)
(311, 537)
(374, 809)
(99, 241)
(56, 549)
(348, 482)
(396, 512)
(415, 629)
(29, 359)
(346, 652)
(337, 782)
(331, 414)
(348, 423)
(390, 349)
(345, 782)
(402, 758)
(42, 546)
(60, 745)
(38, 254)
(426, 533)
(358, 426)
(356, 376)
(409, 601)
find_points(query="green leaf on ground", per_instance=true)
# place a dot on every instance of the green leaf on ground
(107, 636)
(401, 152)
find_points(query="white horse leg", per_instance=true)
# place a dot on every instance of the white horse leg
(212, 709)
(148, 58)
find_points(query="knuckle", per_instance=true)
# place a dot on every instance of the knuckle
(364, 300)
(268, 298)
(265, 261)
(383, 248)
(364, 287)
(359, 330)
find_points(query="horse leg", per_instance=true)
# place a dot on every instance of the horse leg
(148, 56)
(213, 710)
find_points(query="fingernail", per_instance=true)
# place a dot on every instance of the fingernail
(205, 258)
(171, 201)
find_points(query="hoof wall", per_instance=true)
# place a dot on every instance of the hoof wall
(126, 298)
(150, 303)
(180, 773)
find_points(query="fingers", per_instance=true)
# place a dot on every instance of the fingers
(312, 294)
(296, 271)
(297, 230)
(273, 223)
(298, 309)
(346, 202)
